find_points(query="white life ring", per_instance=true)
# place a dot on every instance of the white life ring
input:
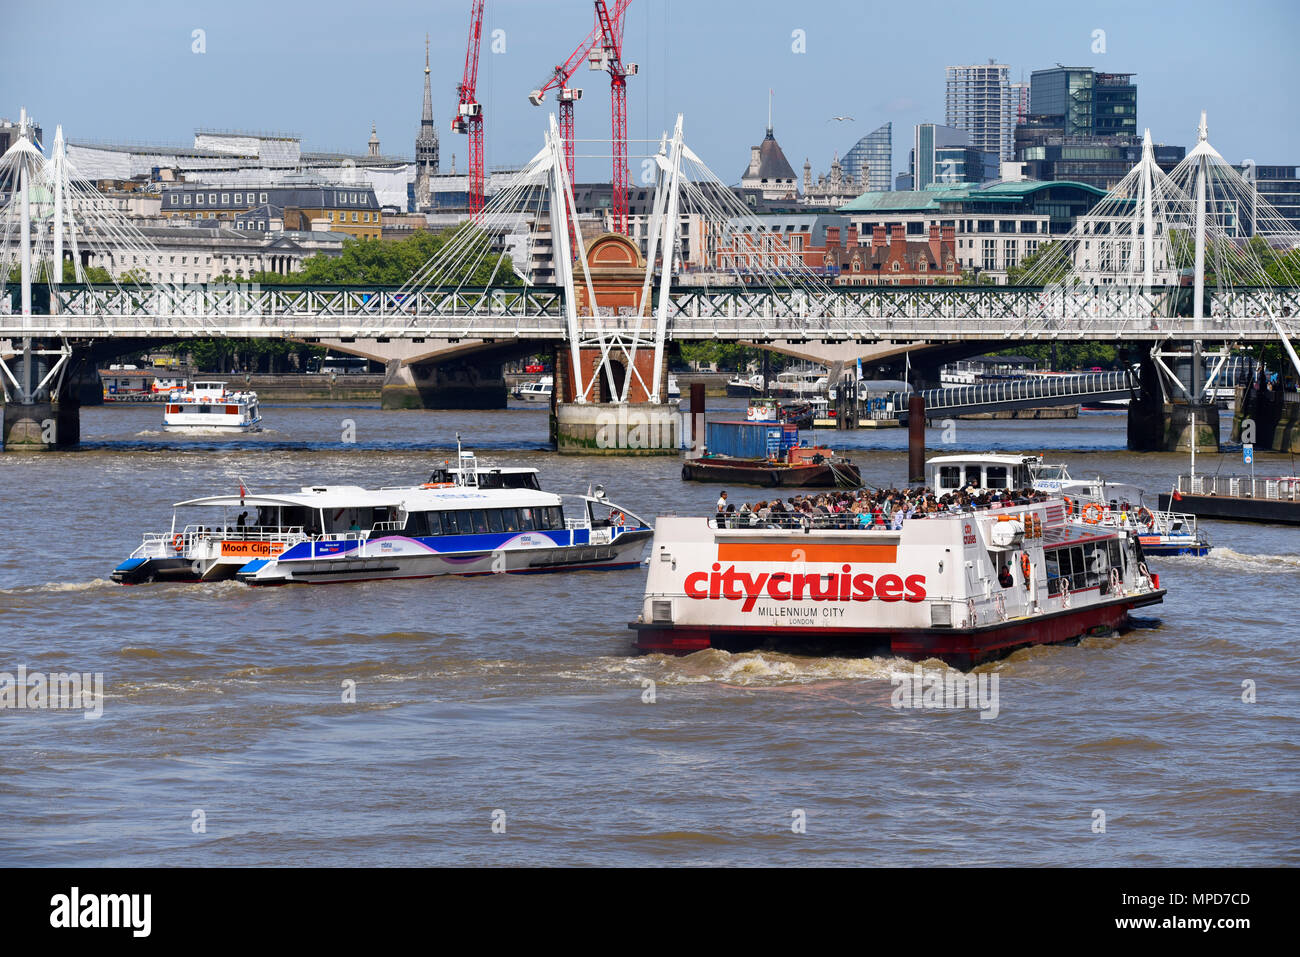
(1142, 570)
(1116, 581)
(1065, 593)
(970, 611)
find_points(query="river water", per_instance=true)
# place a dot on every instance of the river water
(224, 739)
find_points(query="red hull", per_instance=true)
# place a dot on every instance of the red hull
(961, 647)
(753, 472)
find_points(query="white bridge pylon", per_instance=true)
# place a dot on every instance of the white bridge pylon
(715, 272)
(1203, 218)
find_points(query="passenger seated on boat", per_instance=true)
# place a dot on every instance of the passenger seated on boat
(1005, 578)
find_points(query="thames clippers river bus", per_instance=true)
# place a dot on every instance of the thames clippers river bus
(466, 520)
(963, 587)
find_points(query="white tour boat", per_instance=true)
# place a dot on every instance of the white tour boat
(1094, 502)
(209, 407)
(469, 519)
(537, 391)
(964, 586)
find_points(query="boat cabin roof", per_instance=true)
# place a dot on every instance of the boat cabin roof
(982, 458)
(412, 498)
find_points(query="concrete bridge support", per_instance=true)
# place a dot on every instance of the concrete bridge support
(467, 382)
(1158, 422)
(1265, 419)
(609, 427)
(51, 420)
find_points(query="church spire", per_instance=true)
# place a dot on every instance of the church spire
(426, 144)
(426, 118)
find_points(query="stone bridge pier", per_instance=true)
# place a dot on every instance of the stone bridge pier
(50, 418)
(441, 373)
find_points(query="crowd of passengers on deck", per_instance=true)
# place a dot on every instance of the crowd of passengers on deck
(867, 508)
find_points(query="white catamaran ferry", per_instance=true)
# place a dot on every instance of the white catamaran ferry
(469, 519)
(208, 407)
(964, 586)
(1094, 501)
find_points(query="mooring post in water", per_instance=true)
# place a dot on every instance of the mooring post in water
(697, 417)
(916, 437)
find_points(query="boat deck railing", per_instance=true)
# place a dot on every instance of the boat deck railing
(1161, 523)
(1282, 489)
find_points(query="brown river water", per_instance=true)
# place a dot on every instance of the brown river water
(517, 700)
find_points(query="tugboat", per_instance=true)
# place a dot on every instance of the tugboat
(765, 451)
(468, 519)
(964, 586)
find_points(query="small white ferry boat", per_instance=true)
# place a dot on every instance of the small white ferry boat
(964, 586)
(208, 407)
(536, 391)
(468, 519)
(1093, 502)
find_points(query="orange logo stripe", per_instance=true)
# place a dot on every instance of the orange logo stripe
(794, 552)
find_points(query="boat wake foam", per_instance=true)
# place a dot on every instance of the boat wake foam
(59, 587)
(766, 668)
(1230, 559)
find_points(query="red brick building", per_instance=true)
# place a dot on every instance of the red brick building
(830, 247)
(893, 259)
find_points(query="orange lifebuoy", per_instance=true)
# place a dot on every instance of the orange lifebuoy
(178, 542)
(1096, 511)
(1069, 506)
(1024, 565)
(438, 485)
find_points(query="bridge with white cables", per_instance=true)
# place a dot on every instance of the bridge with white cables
(1160, 260)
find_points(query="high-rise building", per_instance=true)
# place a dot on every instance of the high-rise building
(871, 160)
(1279, 186)
(929, 141)
(1020, 101)
(426, 143)
(1082, 127)
(1078, 101)
(979, 100)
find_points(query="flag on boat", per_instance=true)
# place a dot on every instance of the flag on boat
(1178, 496)
(241, 492)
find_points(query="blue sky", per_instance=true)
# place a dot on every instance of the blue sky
(126, 71)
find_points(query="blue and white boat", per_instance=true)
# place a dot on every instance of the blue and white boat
(468, 519)
(1092, 501)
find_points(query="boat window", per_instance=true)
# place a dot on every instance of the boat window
(1114, 552)
(494, 520)
(510, 518)
(1052, 562)
(417, 524)
(527, 519)
(949, 476)
(1022, 479)
(995, 476)
(508, 480)
(480, 521)
(973, 474)
(554, 516)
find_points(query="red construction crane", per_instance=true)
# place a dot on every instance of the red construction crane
(469, 112)
(559, 80)
(610, 59)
